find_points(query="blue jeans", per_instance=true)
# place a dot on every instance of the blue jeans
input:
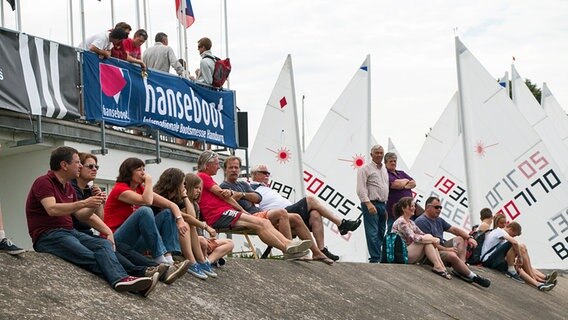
(133, 262)
(90, 253)
(375, 226)
(141, 225)
(167, 228)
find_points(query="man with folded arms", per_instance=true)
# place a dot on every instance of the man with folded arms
(247, 198)
(49, 206)
(221, 211)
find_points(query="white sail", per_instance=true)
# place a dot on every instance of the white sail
(554, 111)
(439, 141)
(338, 149)
(277, 143)
(539, 120)
(504, 81)
(510, 168)
(400, 163)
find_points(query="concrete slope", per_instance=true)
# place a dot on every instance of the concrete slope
(43, 286)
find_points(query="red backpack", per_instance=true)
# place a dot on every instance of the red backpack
(221, 71)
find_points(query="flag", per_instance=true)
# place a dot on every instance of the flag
(12, 4)
(184, 13)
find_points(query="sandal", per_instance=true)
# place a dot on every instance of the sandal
(443, 274)
(325, 260)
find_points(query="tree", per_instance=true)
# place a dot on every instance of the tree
(536, 91)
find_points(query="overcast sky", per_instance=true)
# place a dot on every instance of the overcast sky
(411, 44)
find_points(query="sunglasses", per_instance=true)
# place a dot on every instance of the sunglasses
(265, 173)
(92, 166)
(437, 207)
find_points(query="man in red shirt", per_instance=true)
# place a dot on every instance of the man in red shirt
(218, 208)
(49, 206)
(129, 49)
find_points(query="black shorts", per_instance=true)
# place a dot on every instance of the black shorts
(227, 220)
(497, 260)
(301, 208)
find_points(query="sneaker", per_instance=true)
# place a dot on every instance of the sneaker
(133, 284)
(551, 278)
(160, 269)
(196, 271)
(295, 255)
(329, 254)
(545, 286)
(348, 225)
(464, 278)
(484, 282)
(8, 247)
(155, 279)
(515, 276)
(298, 245)
(206, 268)
(175, 271)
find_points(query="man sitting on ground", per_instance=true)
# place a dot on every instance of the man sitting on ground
(218, 209)
(49, 206)
(486, 217)
(309, 208)
(246, 197)
(453, 251)
(502, 252)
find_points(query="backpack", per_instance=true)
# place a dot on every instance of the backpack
(473, 255)
(221, 71)
(394, 249)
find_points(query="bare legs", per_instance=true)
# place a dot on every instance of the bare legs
(265, 231)
(417, 250)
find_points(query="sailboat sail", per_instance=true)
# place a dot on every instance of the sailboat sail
(554, 111)
(331, 161)
(510, 168)
(277, 143)
(539, 120)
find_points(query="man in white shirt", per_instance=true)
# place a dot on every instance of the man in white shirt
(373, 191)
(502, 252)
(309, 208)
(102, 43)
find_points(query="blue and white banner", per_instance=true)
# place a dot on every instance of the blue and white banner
(116, 92)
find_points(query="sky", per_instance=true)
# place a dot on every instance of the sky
(411, 44)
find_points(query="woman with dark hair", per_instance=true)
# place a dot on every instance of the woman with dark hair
(171, 186)
(128, 214)
(417, 242)
(213, 249)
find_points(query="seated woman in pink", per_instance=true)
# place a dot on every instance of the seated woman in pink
(128, 214)
(418, 244)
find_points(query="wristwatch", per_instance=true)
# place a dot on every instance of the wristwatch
(243, 194)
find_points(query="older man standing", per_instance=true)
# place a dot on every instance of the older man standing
(452, 251)
(373, 191)
(161, 56)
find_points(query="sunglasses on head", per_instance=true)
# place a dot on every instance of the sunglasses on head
(92, 166)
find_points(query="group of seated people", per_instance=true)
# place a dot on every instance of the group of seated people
(424, 237)
(145, 233)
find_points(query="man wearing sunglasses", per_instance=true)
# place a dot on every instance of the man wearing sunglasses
(453, 251)
(309, 209)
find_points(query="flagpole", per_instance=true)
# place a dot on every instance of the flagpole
(226, 40)
(112, 18)
(18, 16)
(146, 24)
(184, 19)
(82, 9)
(303, 126)
(369, 132)
(71, 31)
(2, 12)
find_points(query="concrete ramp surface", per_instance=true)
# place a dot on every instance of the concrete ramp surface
(38, 285)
